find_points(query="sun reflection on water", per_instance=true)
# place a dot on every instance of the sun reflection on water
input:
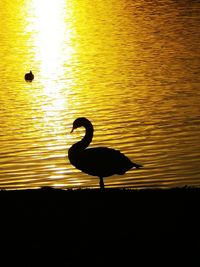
(52, 41)
(113, 63)
(51, 30)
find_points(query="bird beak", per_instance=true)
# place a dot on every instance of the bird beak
(72, 130)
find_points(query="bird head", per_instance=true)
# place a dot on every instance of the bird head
(79, 122)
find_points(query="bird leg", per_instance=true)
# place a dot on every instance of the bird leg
(101, 183)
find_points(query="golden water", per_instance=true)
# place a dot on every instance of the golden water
(131, 67)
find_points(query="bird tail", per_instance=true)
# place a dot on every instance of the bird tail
(137, 166)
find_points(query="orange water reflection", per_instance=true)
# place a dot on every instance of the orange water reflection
(129, 66)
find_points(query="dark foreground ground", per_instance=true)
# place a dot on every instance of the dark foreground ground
(93, 227)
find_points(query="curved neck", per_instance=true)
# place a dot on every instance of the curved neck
(86, 140)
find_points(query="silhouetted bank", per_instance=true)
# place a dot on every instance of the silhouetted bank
(107, 221)
(115, 213)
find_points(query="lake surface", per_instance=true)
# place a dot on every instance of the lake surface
(131, 67)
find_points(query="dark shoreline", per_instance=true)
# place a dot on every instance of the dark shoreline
(144, 213)
(147, 219)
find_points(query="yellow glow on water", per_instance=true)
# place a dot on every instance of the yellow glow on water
(123, 65)
(51, 31)
(51, 39)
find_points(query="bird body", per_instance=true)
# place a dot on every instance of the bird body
(99, 161)
(29, 76)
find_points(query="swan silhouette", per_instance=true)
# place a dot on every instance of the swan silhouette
(99, 161)
(29, 76)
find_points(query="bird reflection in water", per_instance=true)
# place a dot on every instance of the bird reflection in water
(99, 161)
